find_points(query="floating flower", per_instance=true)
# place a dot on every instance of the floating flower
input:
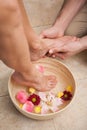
(60, 94)
(28, 106)
(42, 96)
(44, 108)
(69, 89)
(31, 90)
(20, 105)
(51, 105)
(56, 102)
(21, 96)
(50, 96)
(40, 68)
(66, 96)
(35, 99)
(37, 109)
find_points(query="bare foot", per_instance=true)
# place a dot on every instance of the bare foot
(41, 47)
(38, 46)
(36, 80)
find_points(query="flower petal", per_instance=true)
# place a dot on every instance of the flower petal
(69, 88)
(31, 90)
(35, 99)
(28, 106)
(44, 108)
(42, 96)
(37, 109)
(21, 96)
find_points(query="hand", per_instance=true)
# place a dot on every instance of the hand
(53, 32)
(68, 49)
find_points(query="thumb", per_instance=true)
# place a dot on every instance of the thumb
(57, 50)
(53, 50)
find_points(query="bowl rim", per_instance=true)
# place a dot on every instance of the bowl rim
(48, 114)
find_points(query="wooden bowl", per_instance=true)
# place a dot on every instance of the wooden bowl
(64, 76)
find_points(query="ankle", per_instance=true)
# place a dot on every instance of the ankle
(35, 44)
(27, 73)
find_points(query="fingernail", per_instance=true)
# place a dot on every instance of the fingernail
(50, 51)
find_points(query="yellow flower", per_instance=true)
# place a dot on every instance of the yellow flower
(49, 103)
(37, 109)
(20, 105)
(60, 94)
(31, 90)
(69, 88)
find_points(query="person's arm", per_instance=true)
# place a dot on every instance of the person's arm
(68, 12)
(14, 49)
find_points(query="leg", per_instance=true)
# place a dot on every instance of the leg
(14, 51)
(38, 48)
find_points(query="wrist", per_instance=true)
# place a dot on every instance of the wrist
(61, 23)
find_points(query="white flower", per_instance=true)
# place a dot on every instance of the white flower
(56, 102)
(42, 96)
(49, 102)
(50, 97)
(44, 108)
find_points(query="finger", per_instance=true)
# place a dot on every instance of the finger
(48, 54)
(61, 55)
(74, 39)
(56, 55)
(53, 50)
(57, 50)
(78, 39)
(41, 35)
(66, 38)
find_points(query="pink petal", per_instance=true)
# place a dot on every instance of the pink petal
(28, 106)
(42, 96)
(40, 68)
(21, 96)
